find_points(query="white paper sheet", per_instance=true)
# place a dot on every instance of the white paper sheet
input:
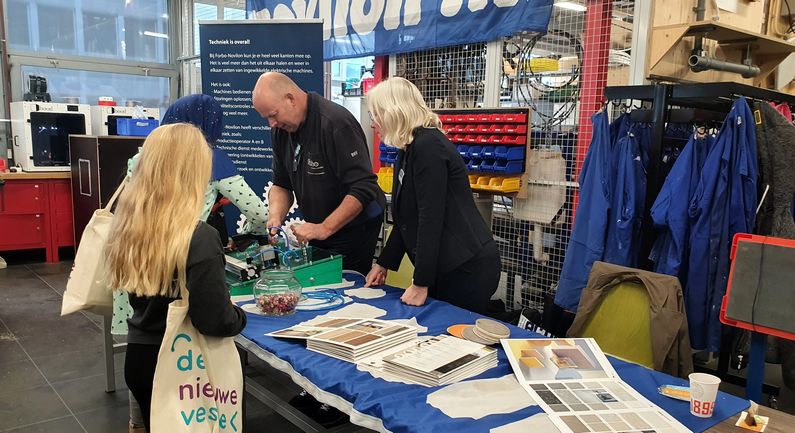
(362, 311)
(413, 322)
(466, 399)
(366, 293)
(536, 423)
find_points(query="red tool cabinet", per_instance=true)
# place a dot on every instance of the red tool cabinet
(36, 212)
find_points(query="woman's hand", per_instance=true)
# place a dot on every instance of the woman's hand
(415, 295)
(376, 276)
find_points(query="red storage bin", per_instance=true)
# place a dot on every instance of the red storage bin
(460, 118)
(516, 117)
(515, 129)
(495, 139)
(472, 118)
(483, 128)
(471, 139)
(483, 139)
(471, 128)
(484, 118)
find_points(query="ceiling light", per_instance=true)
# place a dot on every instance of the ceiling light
(571, 6)
(155, 34)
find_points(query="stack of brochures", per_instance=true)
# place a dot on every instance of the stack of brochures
(440, 360)
(349, 339)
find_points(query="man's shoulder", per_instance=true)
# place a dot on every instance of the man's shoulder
(333, 112)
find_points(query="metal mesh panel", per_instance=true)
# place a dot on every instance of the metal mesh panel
(544, 72)
(450, 77)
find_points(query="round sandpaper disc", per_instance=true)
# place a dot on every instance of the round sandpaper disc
(470, 335)
(484, 336)
(456, 330)
(492, 328)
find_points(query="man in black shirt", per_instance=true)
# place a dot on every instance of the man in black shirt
(320, 153)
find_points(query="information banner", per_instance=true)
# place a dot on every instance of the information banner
(358, 28)
(233, 56)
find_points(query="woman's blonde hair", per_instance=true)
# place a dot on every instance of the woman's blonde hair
(398, 107)
(157, 212)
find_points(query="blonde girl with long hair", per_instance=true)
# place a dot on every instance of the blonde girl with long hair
(157, 246)
(436, 221)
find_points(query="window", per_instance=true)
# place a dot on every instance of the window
(56, 28)
(18, 29)
(202, 12)
(89, 86)
(114, 29)
(234, 14)
(101, 34)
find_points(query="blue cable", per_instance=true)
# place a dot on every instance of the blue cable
(284, 233)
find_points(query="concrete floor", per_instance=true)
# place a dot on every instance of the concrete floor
(52, 376)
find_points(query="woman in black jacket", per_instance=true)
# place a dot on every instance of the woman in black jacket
(436, 221)
(157, 246)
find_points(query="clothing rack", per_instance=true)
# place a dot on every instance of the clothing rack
(665, 100)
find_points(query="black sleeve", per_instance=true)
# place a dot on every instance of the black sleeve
(393, 251)
(430, 178)
(281, 175)
(210, 307)
(350, 161)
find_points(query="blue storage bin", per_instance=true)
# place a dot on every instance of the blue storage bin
(136, 127)
(463, 150)
(509, 153)
(474, 164)
(515, 154)
(487, 152)
(507, 167)
(487, 165)
(474, 151)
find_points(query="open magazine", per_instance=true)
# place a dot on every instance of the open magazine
(440, 360)
(349, 339)
(572, 380)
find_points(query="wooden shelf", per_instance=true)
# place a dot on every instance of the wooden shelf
(726, 35)
(670, 47)
(36, 175)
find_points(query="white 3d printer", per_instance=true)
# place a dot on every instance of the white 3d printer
(41, 133)
(103, 117)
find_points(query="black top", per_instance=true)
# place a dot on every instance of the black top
(324, 160)
(210, 309)
(436, 221)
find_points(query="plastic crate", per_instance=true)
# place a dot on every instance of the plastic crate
(136, 127)
(507, 167)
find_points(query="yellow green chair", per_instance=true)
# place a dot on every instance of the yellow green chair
(620, 325)
(404, 275)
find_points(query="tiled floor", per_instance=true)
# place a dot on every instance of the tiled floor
(52, 376)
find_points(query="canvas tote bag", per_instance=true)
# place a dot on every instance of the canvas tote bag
(198, 384)
(86, 288)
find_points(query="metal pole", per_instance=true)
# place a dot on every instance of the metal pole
(596, 51)
(654, 178)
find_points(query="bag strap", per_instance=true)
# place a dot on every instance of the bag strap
(115, 195)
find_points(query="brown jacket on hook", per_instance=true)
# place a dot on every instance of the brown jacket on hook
(671, 352)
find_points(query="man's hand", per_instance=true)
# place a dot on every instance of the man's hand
(309, 232)
(415, 295)
(273, 231)
(376, 276)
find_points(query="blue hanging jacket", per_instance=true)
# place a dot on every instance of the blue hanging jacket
(587, 241)
(627, 199)
(204, 112)
(723, 204)
(670, 210)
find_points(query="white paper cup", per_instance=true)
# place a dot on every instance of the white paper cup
(703, 392)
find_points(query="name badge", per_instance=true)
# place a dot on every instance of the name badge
(400, 176)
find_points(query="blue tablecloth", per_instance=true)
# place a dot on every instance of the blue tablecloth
(403, 408)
